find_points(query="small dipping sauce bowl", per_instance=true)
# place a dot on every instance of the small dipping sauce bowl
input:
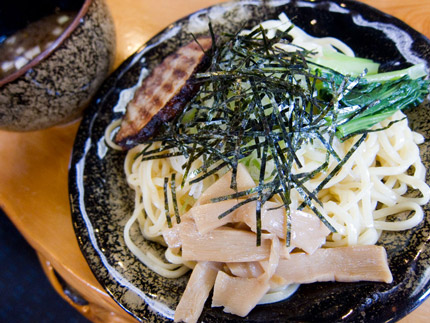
(54, 55)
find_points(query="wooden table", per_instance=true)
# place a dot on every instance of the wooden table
(34, 166)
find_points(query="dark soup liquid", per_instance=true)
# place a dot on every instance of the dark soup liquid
(21, 47)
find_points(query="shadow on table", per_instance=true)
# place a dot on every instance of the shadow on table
(25, 292)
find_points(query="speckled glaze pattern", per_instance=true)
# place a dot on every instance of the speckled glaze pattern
(101, 202)
(57, 89)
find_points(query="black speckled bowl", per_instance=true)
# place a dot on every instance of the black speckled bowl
(101, 202)
(57, 85)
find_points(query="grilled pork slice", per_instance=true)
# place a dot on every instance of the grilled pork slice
(164, 93)
(343, 264)
(197, 291)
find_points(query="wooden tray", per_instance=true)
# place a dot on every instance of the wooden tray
(34, 166)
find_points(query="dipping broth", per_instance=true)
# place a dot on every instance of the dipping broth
(20, 48)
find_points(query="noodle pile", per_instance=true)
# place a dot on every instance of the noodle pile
(372, 186)
(383, 180)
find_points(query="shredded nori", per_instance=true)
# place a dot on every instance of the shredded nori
(166, 202)
(258, 99)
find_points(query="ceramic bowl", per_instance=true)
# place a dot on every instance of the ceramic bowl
(102, 202)
(56, 85)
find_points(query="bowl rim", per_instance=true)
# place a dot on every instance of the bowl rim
(86, 136)
(48, 51)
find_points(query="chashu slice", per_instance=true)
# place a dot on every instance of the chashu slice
(164, 93)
